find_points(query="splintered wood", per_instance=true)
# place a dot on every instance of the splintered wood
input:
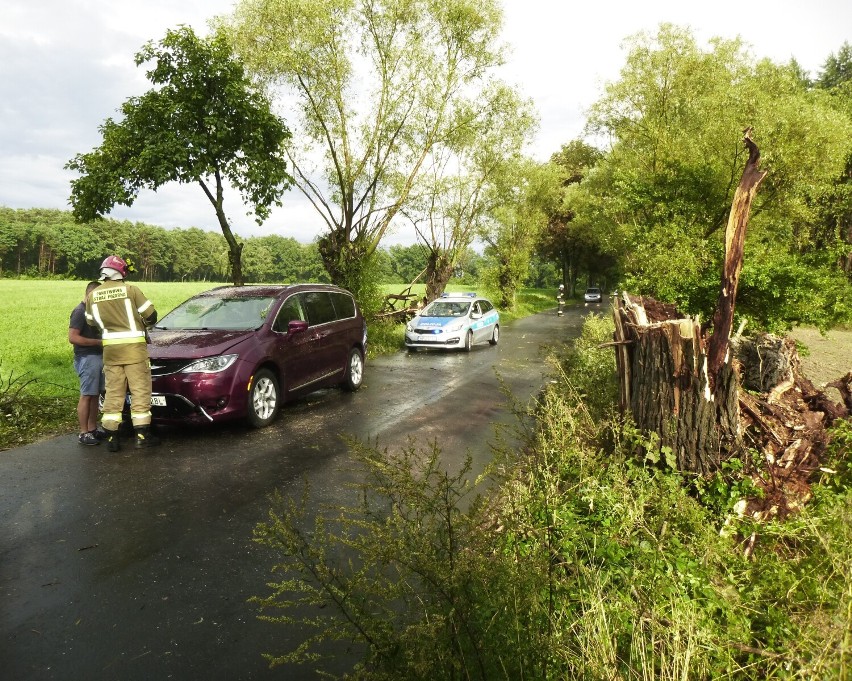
(761, 403)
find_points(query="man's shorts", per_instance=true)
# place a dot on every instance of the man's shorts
(90, 369)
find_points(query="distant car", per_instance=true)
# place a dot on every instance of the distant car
(592, 295)
(454, 321)
(240, 351)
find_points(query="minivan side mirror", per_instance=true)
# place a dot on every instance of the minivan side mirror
(475, 315)
(295, 326)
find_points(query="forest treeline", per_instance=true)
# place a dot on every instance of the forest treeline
(43, 243)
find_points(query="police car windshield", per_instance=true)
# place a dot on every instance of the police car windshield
(445, 308)
(230, 314)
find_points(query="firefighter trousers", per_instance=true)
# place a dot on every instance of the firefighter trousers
(121, 379)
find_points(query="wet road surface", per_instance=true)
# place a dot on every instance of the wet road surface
(139, 565)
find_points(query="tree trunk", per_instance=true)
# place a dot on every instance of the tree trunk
(235, 249)
(439, 269)
(682, 390)
(664, 386)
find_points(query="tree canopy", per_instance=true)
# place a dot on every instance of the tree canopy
(374, 88)
(204, 122)
(661, 194)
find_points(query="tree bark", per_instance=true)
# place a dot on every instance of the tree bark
(682, 390)
(439, 270)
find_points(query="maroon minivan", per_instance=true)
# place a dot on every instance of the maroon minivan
(240, 351)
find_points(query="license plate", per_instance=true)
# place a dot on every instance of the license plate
(158, 400)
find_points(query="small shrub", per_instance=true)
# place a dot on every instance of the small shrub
(384, 337)
(24, 417)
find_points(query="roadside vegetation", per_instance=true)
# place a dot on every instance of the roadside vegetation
(571, 558)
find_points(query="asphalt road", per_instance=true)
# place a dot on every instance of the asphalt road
(134, 565)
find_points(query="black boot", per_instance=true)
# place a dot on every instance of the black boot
(145, 438)
(113, 445)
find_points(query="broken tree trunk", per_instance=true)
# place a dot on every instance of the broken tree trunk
(665, 387)
(723, 317)
(675, 383)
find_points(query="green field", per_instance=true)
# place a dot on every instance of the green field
(34, 328)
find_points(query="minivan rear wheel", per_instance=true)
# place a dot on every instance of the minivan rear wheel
(354, 371)
(264, 399)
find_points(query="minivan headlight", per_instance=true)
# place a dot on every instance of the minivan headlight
(210, 365)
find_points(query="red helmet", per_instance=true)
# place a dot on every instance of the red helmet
(115, 263)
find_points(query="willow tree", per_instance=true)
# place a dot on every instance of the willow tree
(371, 86)
(204, 122)
(454, 197)
(526, 193)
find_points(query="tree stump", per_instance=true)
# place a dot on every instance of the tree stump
(662, 364)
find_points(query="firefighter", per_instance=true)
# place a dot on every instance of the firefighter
(123, 313)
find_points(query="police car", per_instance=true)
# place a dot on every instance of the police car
(457, 320)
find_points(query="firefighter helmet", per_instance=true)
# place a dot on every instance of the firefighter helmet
(113, 265)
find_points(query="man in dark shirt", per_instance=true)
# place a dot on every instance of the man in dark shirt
(88, 363)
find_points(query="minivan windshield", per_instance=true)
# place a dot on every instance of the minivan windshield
(209, 312)
(444, 308)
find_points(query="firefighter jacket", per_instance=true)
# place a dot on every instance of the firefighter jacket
(122, 312)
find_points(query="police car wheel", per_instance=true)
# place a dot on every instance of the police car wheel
(468, 341)
(264, 399)
(495, 335)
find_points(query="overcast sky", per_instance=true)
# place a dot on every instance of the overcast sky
(66, 65)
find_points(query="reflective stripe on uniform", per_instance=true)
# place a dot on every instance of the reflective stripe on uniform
(97, 317)
(111, 417)
(123, 334)
(131, 318)
(137, 338)
(144, 307)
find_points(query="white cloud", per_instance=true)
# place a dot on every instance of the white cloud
(66, 65)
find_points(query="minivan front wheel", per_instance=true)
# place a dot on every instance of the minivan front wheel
(264, 399)
(354, 371)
